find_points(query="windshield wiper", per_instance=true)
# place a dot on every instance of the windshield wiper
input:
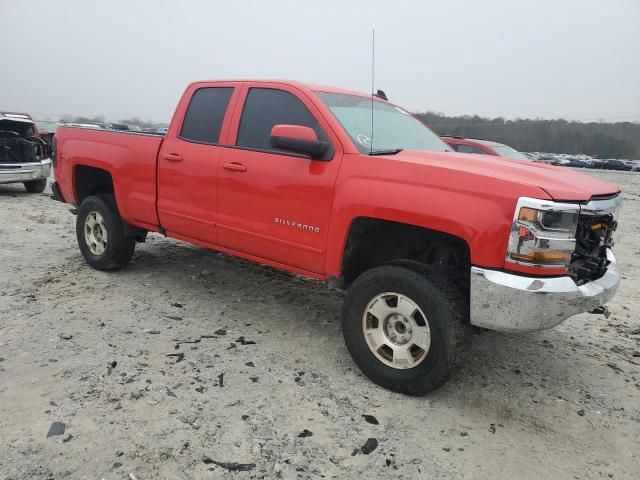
(392, 151)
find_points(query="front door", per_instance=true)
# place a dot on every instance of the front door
(273, 204)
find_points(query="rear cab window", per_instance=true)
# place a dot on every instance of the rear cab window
(205, 115)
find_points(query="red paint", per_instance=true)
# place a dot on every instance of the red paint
(295, 213)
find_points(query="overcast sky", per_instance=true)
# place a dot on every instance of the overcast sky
(576, 59)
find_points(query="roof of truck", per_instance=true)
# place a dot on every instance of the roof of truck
(294, 83)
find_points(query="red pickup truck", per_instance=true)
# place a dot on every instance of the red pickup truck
(349, 188)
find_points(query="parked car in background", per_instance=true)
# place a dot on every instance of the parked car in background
(47, 130)
(126, 127)
(617, 164)
(84, 125)
(585, 161)
(24, 156)
(483, 147)
(162, 130)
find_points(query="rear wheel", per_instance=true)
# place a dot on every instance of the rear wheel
(100, 234)
(406, 327)
(36, 186)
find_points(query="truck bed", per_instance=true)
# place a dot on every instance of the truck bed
(129, 157)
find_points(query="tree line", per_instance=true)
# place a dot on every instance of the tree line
(598, 139)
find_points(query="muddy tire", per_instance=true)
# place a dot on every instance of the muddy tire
(100, 234)
(36, 186)
(406, 327)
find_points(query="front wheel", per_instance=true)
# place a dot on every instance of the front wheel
(36, 186)
(406, 327)
(100, 234)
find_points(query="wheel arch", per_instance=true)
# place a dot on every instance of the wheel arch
(91, 180)
(371, 242)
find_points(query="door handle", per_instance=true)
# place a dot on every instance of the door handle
(234, 167)
(172, 157)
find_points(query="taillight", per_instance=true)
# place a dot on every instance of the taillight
(54, 144)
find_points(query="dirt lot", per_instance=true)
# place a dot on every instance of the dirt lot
(192, 364)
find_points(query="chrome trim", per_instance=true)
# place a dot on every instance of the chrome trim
(602, 206)
(24, 172)
(567, 244)
(514, 303)
(540, 204)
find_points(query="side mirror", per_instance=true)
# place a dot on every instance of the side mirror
(299, 139)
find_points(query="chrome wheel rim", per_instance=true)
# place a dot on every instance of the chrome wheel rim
(396, 330)
(95, 233)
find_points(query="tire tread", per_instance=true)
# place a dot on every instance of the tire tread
(120, 248)
(454, 327)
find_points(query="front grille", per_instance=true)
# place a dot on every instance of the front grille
(594, 235)
(22, 150)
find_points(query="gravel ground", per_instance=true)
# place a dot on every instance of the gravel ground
(192, 364)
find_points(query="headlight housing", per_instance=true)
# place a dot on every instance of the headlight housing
(543, 233)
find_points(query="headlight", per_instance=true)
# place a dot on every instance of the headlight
(543, 232)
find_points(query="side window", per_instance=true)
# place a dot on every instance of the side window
(205, 114)
(266, 107)
(470, 149)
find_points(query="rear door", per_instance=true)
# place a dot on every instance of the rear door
(188, 162)
(274, 204)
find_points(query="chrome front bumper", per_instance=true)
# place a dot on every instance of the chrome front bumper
(513, 303)
(24, 172)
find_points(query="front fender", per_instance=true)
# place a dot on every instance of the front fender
(477, 209)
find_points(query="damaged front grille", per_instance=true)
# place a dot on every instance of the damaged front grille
(16, 149)
(594, 235)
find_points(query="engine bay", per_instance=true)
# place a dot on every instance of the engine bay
(19, 143)
(593, 237)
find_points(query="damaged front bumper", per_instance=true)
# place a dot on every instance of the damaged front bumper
(514, 303)
(25, 172)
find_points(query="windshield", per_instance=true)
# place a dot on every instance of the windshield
(505, 151)
(393, 127)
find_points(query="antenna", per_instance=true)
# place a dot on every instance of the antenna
(373, 71)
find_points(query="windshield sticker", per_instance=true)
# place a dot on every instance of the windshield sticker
(363, 139)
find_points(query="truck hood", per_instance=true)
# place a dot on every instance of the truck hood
(18, 125)
(561, 183)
